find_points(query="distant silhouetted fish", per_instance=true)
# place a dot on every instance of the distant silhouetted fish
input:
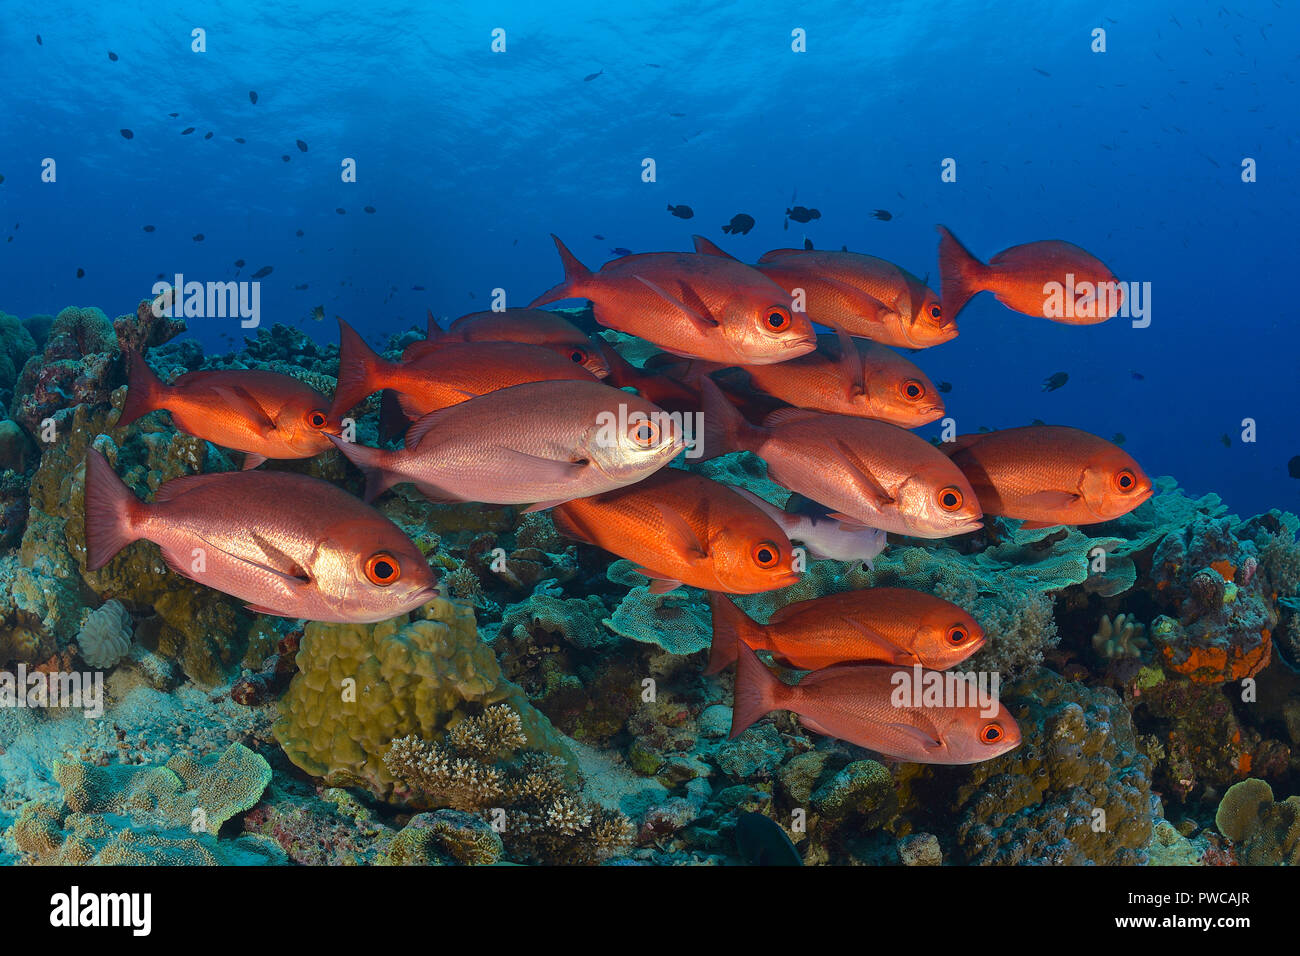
(38, 40)
(803, 214)
(341, 211)
(740, 224)
(1293, 467)
(112, 56)
(1136, 374)
(198, 237)
(1044, 72)
(681, 212)
(208, 135)
(1227, 442)
(239, 263)
(620, 251)
(762, 842)
(302, 146)
(187, 131)
(944, 387)
(299, 233)
(299, 288)
(252, 96)
(148, 228)
(807, 244)
(882, 214)
(173, 115)
(263, 272)
(240, 139)
(591, 76)
(1055, 381)
(127, 134)
(80, 273)
(370, 209)
(285, 157)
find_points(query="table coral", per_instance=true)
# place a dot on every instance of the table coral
(361, 686)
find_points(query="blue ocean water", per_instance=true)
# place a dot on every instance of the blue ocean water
(471, 157)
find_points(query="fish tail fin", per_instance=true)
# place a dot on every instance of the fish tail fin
(375, 464)
(758, 692)
(361, 371)
(961, 275)
(393, 422)
(144, 390)
(112, 512)
(731, 628)
(725, 429)
(575, 277)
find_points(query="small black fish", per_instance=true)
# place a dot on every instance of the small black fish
(882, 214)
(158, 276)
(299, 288)
(417, 288)
(2, 179)
(1044, 72)
(591, 76)
(299, 233)
(341, 211)
(112, 56)
(677, 115)
(285, 157)
(208, 135)
(240, 139)
(148, 228)
(252, 96)
(173, 115)
(263, 272)
(198, 237)
(302, 147)
(187, 131)
(807, 244)
(1136, 374)
(1118, 438)
(1227, 442)
(681, 212)
(370, 209)
(39, 42)
(762, 842)
(740, 224)
(599, 237)
(620, 251)
(239, 263)
(82, 272)
(127, 134)
(803, 214)
(944, 387)
(655, 65)
(1036, 421)
(1053, 382)
(1293, 467)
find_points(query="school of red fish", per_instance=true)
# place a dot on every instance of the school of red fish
(520, 407)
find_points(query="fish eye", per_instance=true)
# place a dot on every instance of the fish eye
(991, 733)
(382, 569)
(936, 312)
(950, 499)
(578, 356)
(1125, 480)
(958, 635)
(778, 318)
(913, 389)
(644, 433)
(766, 554)
(316, 418)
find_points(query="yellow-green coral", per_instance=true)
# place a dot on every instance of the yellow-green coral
(361, 686)
(1266, 833)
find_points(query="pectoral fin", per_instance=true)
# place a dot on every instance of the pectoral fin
(862, 478)
(701, 321)
(241, 401)
(927, 743)
(680, 535)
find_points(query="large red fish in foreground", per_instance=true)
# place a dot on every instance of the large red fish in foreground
(682, 528)
(1050, 279)
(539, 443)
(868, 472)
(263, 414)
(1049, 474)
(873, 625)
(694, 305)
(856, 702)
(524, 326)
(444, 376)
(285, 543)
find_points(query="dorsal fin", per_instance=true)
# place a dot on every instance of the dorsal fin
(706, 247)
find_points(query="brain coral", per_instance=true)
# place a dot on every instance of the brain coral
(105, 637)
(361, 686)
(1077, 790)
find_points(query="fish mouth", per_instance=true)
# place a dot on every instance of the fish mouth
(807, 343)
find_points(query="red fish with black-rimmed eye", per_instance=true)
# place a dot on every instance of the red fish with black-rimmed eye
(682, 528)
(263, 414)
(695, 305)
(874, 625)
(1035, 278)
(1047, 475)
(285, 543)
(524, 326)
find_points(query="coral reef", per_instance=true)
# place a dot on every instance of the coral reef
(1266, 833)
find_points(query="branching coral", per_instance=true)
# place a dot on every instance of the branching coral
(1120, 637)
(529, 798)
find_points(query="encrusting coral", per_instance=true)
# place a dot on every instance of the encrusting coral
(1266, 833)
(528, 797)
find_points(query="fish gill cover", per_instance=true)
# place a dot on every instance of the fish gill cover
(819, 517)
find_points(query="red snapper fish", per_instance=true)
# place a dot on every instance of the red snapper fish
(525, 326)
(860, 704)
(1050, 279)
(689, 304)
(287, 544)
(540, 443)
(263, 414)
